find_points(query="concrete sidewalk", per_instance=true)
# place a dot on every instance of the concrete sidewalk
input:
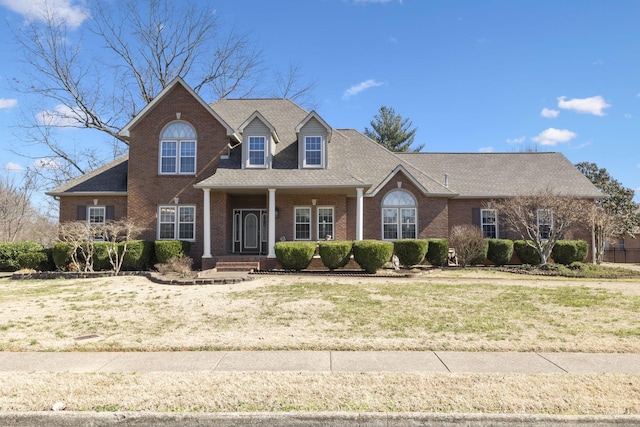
(321, 361)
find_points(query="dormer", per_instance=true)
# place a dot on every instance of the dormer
(259, 140)
(314, 135)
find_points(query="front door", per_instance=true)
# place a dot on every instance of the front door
(249, 231)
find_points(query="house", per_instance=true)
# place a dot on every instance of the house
(236, 176)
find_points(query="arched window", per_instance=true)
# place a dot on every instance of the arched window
(178, 149)
(399, 216)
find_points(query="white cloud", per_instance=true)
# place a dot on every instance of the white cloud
(46, 164)
(593, 105)
(549, 113)
(7, 103)
(13, 167)
(38, 10)
(60, 116)
(485, 149)
(628, 116)
(519, 140)
(553, 136)
(356, 89)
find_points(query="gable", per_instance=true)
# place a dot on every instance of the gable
(165, 93)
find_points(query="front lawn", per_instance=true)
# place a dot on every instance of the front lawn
(454, 311)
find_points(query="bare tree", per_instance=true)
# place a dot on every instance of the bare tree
(615, 214)
(288, 85)
(543, 218)
(117, 235)
(19, 218)
(79, 235)
(605, 224)
(469, 244)
(144, 46)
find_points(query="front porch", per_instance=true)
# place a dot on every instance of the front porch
(243, 225)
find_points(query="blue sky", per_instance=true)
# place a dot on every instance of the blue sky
(473, 76)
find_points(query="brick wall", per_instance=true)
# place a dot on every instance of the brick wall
(432, 211)
(285, 221)
(69, 206)
(146, 188)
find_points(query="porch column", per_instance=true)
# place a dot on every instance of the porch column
(359, 214)
(206, 250)
(272, 224)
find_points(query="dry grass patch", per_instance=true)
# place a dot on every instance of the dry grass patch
(491, 312)
(382, 392)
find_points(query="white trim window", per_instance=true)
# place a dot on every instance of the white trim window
(313, 152)
(325, 222)
(399, 216)
(256, 154)
(177, 222)
(545, 223)
(96, 214)
(178, 149)
(489, 223)
(302, 223)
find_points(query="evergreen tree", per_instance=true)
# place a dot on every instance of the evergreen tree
(615, 214)
(392, 131)
(617, 200)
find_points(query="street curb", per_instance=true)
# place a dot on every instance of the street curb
(305, 419)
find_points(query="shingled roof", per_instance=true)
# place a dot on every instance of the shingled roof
(110, 178)
(353, 159)
(504, 174)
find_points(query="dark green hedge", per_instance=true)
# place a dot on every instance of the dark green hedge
(167, 249)
(335, 254)
(295, 255)
(527, 254)
(62, 255)
(10, 251)
(500, 251)
(138, 256)
(35, 260)
(568, 251)
(411, 251)
(101, 257)
(372, 254)
(438, 252)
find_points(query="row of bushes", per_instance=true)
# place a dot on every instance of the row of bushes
(369, 254)
(373, 254)
(140, 255)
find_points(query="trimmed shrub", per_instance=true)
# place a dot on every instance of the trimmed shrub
(335, 254)
(50, 266)
(372, 254)
(438, 252)
(167, 249)
(34, 260)
(61, 253)
(295, 255)
(499, 251)
(101, 257)
(527, 254)
(410, 251)
(9, 252)
(138, 255)
(567, 251)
